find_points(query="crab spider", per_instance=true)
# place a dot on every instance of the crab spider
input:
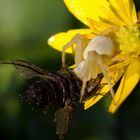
(90, 60)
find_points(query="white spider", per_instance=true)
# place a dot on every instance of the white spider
(90, 59)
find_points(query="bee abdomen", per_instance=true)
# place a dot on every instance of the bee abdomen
(40, 92)
(55, 90)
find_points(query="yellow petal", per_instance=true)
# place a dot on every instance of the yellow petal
(72, 66)
(99, 27)
(104, 90)
(132, 11)
(117, 72)
(114, 12)
(125, 10)
(83, 9)
(92, 101)
(128, 83)
(139, 17)
(59, 40)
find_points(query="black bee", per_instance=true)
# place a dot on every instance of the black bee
(60, 91)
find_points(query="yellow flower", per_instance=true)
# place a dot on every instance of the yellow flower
(118, 20)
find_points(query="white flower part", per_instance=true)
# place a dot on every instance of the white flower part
(101, 44)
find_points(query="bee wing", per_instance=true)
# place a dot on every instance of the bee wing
(27, 69)
(63, 118)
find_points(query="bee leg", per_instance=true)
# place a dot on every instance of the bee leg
(78, 40)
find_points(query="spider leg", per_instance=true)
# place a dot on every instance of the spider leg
(110, 30)
(83, 90)
(110, 74)
(78, 40)
(104, 71)
(88, 71)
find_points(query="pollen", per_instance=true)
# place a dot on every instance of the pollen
(128, 39)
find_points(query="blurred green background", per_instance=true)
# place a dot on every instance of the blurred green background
(25, 26)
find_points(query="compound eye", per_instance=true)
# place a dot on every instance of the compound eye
(102, 45)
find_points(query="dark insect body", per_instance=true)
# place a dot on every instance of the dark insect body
(55, 90)
(60, 91)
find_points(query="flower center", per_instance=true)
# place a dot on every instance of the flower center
(128, 39)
